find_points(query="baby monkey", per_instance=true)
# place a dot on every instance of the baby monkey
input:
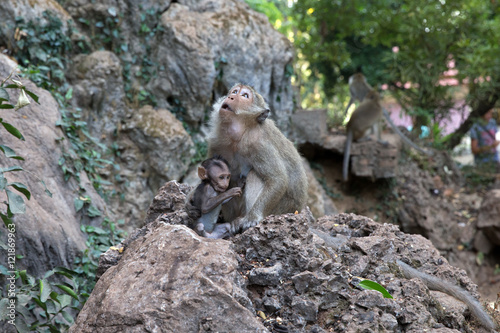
(211, 194)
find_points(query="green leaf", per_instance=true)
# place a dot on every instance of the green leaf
(6, 106)
(370, 285)
(32, 95)
(64, 300)
(12, 168)
(3, 309)
(46, 189)
(78, 204)
(93, 212)
(6, 220)
(4, 95)
(45, 290)
(16, 203)
(68, 291)
(12, 130)
(10, 153)
(21, 188)
(68, 317)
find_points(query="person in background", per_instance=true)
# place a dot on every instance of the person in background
(484, 143)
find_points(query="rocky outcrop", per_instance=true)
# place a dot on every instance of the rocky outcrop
(48, 234)
(197, 50)
(151, 144)
(283, 275)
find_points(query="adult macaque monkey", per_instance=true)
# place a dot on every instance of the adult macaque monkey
(210, 195)
(276, 182)
(359, 88)
(366, 115)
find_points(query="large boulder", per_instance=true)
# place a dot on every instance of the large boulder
(48, 234)
(207, 46)
(188, 53)
(286, 274)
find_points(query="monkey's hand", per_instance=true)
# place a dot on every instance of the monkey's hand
(241, 182)
(234, 192)
(192, 211)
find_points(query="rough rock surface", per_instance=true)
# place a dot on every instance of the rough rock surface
(152, 145)
(489, 216)
(29, 10)
(278, 276)
(201, 49)
(317, 199)
(48, 234)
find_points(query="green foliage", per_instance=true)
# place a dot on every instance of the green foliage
(99, 240)
(370, 285)
(46, 304)
(201, 148)
(15, 202)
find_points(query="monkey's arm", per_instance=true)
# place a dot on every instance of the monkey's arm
(213, 199)
(435, 283)
(271, 170)
(405, 139)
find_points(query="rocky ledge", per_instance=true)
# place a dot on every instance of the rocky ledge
(280, 276)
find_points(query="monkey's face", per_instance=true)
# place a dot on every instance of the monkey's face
(219, 177)
(240, 98)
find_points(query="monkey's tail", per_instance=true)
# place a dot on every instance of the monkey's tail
(404, 137)
(434, 283)
(347, 153)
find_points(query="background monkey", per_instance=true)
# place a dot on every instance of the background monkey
(363, 118)
(359, 88)
(210, 195)
(276, 182)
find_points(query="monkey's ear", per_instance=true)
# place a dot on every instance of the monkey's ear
(202, 173)
(263, 116)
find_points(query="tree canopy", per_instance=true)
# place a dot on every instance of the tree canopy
(407, 45)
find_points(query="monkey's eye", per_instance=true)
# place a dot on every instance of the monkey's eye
(221, 177)
(245, 95)
(235, 91)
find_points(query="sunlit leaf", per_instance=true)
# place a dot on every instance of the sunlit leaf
(370, 285)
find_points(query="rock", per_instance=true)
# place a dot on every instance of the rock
(98, 90)
(488, 219)
(48, 234)
(317, 200)
(153, 145)
(482, 243)
(424, 213)
(176, 281)
(280, 268)
(218, 37)
(266, 276)
(310, 126)
(369, 158)
(29, 10)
